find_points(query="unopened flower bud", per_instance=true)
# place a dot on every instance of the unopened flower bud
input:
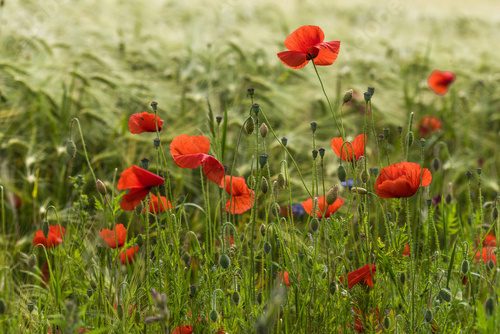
(218, 119)
(314, 224)
(494, 213)
(101, 187)
(332, 194)
(364, 176)
(359, 190)
(445, 294)
(428, 316)
(255, 108)
(224, 261)
(281, 180)
(262, 230)
(436, 163)
(314, 126)
(262, 160)
(347, 96)
(71, 148)
(489, 306)
(402, 278)
(321, 151)
(154, 106)
(267, 247)
(448, 198)
(2, 307)
(387, 322)
(249, 126)
(264, 185)
(235, 298)
(409, 138)
(284, 141)
(341, 173)
(45, 228)
(214, 316)
(465, 267)
(192, 291)
(263, 130)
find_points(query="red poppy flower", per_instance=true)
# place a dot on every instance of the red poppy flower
(401, 179)
(486, 254)
(242, 197)
(306, 43)
(54, 237)
(144, 122)
(114, 238)
(428, 125)
(490, 240)
(157, 205)
(406, 250)
(440, 81)
(355, 148)
(330, 210)
(127, 256)
(183, 329)
(285, 278)
(192, 152)
(362, 275)
(138, 182)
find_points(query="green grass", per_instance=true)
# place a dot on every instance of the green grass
(104, 60)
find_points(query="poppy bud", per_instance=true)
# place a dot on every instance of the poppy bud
(224, 261)
(156, 142)
(276, 209)
(489, 306)
(251, 181)
(235, 298)
(284, 141)
(267, 247)
(314, 154)
(468, 174)
(374, 171)
(445, 295)
(256, 108)
(332, 194)
(192, 290)
(422, 142)
(264, 185)
(281, 180)
(359, 190)
(263, 229)
(101, 187)
(494, 213)
(214, 316)
(154, 106)
(314, 126)
(436, 163)
(448, 199)
(364, 176)
(187, 259)
(491, 265)
(218, 119)
(45, 228)
(31, 307)
(263, 130)
(400, 129)
(465, 267)
(367, 96)
(314, 225)
(478, 171)
(371, 91)
(262, 160)
(341, 173)
(387, 323)
(2, 306)
(402, 278)
(428, 316)
(145, 163)
(347, 96)
(321, 151)
(71, 148)
(409, 138)
(332, 288)
(90, 292)
(250, 92)
(249, 126)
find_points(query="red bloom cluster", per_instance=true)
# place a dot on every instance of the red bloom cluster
(114, 238)
(322, 208)
(487, 252)
(363, 275)
(54, 236)
(428, 125)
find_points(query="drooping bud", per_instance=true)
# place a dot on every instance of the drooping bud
(436, 163)
(214, 316)
(71, 148)
(249, 126)
(262, 160)
(445, 295)
(359, 190)
(314, 224)
(448, 198)
(332, 194)
(262, 230)
(364, 176)
(101, 187)
(347, 96)
(341, 173)
(465, 267)
(489, 306)
(263, 130)
(264, 185)
(314, 126)
(224, 261)
(267, 247)
(235, 298)
(45, 228)
(281, 180)
(428, 317)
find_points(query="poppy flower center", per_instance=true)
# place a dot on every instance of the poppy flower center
(312, 52)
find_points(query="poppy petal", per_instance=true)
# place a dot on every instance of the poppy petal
(328, 52)
(131, 199)
(293, 59)
(144, 122)
(127, 256)
(190, 160)
(137, 177)
(426, 177)
(114, 238)
(213, 169)
(185, 144)
(304, 37)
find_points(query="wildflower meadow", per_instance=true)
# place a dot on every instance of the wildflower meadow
(249, 167)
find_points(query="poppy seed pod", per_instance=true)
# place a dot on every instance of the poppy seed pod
(214, 316)
(235, 298)
(144, 163)
(250, 92)
(284, 141)
(249, 126)
(156, 142)
(367, 96)
(321, 151)
(255, 108)
(341, 173)
(154, 105)
(101, 187)
(263, 130)
(263, 160)
(224, 261)
(314, 154)
(314, 126)
(218, 119)
(371, 91)
(332, 195)
(264, 185)
(347, 96)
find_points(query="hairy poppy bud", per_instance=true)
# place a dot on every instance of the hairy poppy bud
(218, 119)
(347, 96)
(255, 108)
(332, 194)
(387, 323)
(436, 163)
(364, 176)
(267, 247)
(2, 306)
(332, 288)
(491, 264)
(448, 199)
(224, 261)
(192, 291)
(371, 90)
(154, 105)
(71, 148)
(314, 126)
(263, 130)
(367, 96)
(101, 187)
(249, 126)
(428, 316)
(214, 316)
(314, 154)
(284, 141)
(314, 225)
(489, 306)
(281, 180)
(276, 209)
(341, 173)
(263, 229)
(262, 160)
(264, 185)
(235, 298)
(465, 267)
(45, 228)
(445, 294)
(359, 190)
(494, 213)
(144, 163)
(156, 142)
(321, 151)
(409, 138)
